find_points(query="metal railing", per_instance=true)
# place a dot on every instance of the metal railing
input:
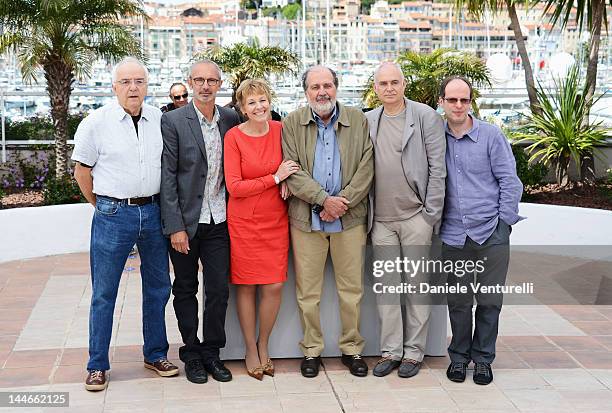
(296, 97)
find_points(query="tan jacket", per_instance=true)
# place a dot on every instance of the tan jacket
(423, 158)
(299, 141)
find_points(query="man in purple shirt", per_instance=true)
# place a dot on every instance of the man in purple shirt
(481, 203)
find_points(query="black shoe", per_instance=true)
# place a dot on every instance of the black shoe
(483, 373)
(195, 372)
(218, 370)
(310, 366)
(408, 368)
(456, 371)
(385, 366)
(356, 365)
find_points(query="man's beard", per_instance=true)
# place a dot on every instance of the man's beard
(322, 109)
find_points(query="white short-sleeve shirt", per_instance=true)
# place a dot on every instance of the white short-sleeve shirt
(125, 165)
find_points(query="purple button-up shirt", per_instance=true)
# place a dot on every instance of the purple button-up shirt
(481, 184)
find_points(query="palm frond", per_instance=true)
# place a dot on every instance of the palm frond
(111, 41)
(476, 8)
(245, 61)
(558, 133)
(17, 14)
(31, 55)
(562, 11)
(10, 41)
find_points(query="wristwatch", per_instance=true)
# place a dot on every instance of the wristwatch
(276, 179)
(316, 208)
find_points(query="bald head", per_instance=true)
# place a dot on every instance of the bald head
(389, 84)
(388, 68)
(133, 63)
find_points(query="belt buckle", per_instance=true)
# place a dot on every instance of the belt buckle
(129, 202)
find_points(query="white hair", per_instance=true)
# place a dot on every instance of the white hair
(126, 60)
(205, 62)
(385, 64)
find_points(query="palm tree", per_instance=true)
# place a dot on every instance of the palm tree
(247, 61)
(557, 134)
(477, 9)
(64, 38)
(424, 73)
(590, 14)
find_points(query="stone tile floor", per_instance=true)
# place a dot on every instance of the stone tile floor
(550, 359)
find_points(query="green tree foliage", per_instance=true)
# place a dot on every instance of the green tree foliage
(290, 11)
(249, 60)
(590, 15)
(557, 134)
(64, 38)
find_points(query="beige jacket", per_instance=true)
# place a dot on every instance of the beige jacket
(299, 141)
(423, 158)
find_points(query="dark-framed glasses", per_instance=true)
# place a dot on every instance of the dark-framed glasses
(179, 97)
(210, 81)
(463, 101)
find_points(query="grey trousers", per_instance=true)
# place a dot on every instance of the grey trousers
(403, 323)
(479, 346)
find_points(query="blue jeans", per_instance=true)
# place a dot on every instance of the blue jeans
(115, 229)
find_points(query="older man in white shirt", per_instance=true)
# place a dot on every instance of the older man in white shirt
(118, 153)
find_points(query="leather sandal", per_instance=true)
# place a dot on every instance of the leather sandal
(268, 368)
(256, 373)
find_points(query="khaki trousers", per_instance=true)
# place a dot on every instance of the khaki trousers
(310, 251)
(403, 326)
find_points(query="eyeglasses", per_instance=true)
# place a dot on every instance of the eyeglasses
(200, 81)
(137, 82)
(453, 101)
(179, 97)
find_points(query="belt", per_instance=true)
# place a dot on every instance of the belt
(134, 201)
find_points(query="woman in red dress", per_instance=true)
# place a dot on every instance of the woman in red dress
(257, 219)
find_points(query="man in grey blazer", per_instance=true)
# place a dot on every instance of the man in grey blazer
(406, 205)
(193, 211)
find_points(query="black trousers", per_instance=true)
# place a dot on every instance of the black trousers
(495, 254)
(210, 245)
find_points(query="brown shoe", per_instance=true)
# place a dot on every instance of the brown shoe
(162, 367)
(256, 373)
(268, 368)
(96, 380)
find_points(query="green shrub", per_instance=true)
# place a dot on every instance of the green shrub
(39, 128)
(558, 134)
(64, 190)
(530, 174)
(290, 11)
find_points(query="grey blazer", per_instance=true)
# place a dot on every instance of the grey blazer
(184, 167)
(423, 158)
